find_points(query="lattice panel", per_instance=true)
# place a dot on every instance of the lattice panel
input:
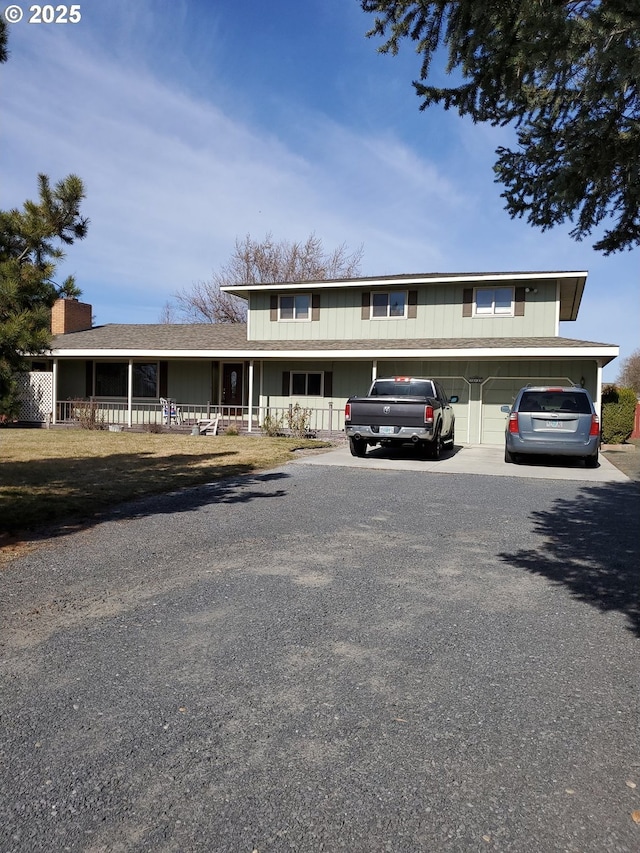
(36, 396)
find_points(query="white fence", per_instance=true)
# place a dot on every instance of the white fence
(35, 391)
(327, 421)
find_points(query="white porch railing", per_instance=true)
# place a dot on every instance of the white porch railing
(325, 421)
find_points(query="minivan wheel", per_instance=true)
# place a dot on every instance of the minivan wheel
(509, 457)
(591, 461)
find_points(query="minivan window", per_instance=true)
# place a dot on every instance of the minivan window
(555, 401)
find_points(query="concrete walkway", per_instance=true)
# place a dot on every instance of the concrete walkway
(471, 459)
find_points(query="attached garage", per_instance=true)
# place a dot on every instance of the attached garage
(499, 392)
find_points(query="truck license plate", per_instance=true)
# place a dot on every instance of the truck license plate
(387, 430)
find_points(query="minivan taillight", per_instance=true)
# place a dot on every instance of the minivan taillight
(513, 422)
(347, 412)
(428, 414)
(595, 425)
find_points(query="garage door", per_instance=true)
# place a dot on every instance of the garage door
(500, 392)
(454, 386)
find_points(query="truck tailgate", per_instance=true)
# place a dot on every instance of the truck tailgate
(390, 411)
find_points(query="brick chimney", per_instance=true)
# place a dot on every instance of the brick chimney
(69, 315)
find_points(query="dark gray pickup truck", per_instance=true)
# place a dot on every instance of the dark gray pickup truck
(401, 410)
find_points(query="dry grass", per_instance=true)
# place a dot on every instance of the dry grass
(47, 476)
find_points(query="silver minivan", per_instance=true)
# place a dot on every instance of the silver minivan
(554, 422)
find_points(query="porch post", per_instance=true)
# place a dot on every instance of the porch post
(374, 370)
(54, 414)
(598, 401)
(130, 394)
(260, 393)
(250, 396)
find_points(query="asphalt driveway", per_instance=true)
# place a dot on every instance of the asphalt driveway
(325, 658)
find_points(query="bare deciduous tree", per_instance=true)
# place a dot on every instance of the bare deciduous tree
(630, 372)
(264, 262)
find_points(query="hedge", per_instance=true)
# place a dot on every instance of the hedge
(618, 414)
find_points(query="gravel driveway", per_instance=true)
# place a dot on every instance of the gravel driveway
(326, 658)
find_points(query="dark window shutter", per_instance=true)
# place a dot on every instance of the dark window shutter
(163, 379)
(315, 306)
(286, 385)
(519, 306)
(328, 383)
(412, 304)
(467, 302)
(366, 305)
(274, 307)
(88, 379)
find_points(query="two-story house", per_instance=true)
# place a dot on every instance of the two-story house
(482, 335)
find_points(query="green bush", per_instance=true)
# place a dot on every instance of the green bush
(618, 414)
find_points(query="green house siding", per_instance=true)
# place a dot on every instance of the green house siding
(439, 312)
(191, 381)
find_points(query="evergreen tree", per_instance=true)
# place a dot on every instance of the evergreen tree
(566, 73)
(30, 248)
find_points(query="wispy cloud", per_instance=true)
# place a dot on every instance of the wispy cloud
(180, 157)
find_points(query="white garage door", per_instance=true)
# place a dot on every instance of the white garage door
(454, 386)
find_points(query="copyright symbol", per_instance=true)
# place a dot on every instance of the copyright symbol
(13, 14)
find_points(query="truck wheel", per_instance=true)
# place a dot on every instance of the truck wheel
(436, 445)
(358, 447)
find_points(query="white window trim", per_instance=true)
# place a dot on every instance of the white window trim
(493, 313)
(294, 319)
(388, 294)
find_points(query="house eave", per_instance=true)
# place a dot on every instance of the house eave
(604, 353)
(571, 284)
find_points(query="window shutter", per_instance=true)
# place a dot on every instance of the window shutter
(412, 304)
(286, 384)
(163, 379)
(519, 306)
(88, 379)
(467, 302)
(366, 305)
(328, 383)
(274, 308)
(315, 306)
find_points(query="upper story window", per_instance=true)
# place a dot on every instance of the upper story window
(497, 301)
(391, 304)
(295, 307)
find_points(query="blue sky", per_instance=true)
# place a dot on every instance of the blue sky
(194, 123)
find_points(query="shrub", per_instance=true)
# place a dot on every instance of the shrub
(88, 415)
(618, 414)
(298, 420)
(272, 425)
(231, 430)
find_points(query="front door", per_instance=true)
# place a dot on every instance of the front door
(232, 386)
